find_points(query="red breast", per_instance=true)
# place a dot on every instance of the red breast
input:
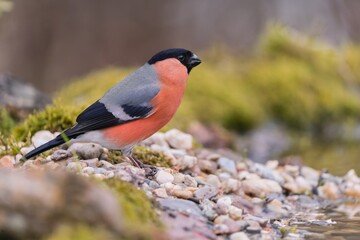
(173, 76)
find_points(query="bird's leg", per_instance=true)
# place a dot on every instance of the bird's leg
(135, 161)
(150, 170)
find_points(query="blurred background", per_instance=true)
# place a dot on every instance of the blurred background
(281, 77)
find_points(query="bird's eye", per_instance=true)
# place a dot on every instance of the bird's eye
(181, 58)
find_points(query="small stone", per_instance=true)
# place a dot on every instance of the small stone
(41, 137)
(190, 181)
(164, 177)
(276, 207)
(293, 170)
(182, 193)
(221, 229)
(239, 236)
(157, 138)
(223, 205)
(160, 192)
(178, 139)
(220, 219)
(99, 176)
(230, 185)
(303, 184)
(74, 167)
(260, 187)
(272, 164)
(254, 227)
(235, 213)
(60, 154)
(88, 170)
(106, 165)
(91, 162)
(187, 162)
(311, 175)
(86, 150)
(213, 180)
(329, 191)
(7, 162)
(52, 165)
(207, 166)
(206, 192)
(26, 150)
(352, 177)
(208, 209)
(179, 178)
(110, 174)
(227, 165)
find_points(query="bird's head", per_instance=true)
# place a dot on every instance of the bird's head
(185, 57)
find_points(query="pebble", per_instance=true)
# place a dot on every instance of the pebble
(206, 192)
(329, 191)
(179, 178)
(60, 154)
(261, 187)
(223, 205)
(187, 162)
(157, 138)
(208, 209)
(91, 162)
(7, 162)
(41, 137)
(160, 192)
(164, 177)
(88, 170)
(230, 185)
(207, 166)
(182, 193)
(213, 180)
(227, 165)
(190, 181)
(74, 166)
(106, 165)
(235, 213)
(178, 139)
(86, 150)
(239, 236)
(26, 150)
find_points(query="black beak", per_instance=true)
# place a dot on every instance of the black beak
(194, 61)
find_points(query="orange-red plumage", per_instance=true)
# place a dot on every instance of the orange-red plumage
(173, 77)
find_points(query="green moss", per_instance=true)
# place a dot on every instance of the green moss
(148, 156)
(11, 146)
(137, 211)
(80, 232)
(6, 121)
(55, 117)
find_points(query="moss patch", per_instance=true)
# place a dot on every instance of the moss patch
(148, 156)
(141, 221)
(80, 232)
(6, 121)
(55, 118)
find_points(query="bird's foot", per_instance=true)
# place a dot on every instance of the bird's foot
(150, 170)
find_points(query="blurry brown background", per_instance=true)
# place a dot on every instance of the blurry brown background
(49, 42)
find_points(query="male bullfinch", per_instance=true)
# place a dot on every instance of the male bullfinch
(135, 108)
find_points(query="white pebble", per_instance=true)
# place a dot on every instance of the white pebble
(164, 177)
(178, 139)
(41, 137)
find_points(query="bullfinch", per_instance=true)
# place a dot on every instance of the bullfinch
(135, 108)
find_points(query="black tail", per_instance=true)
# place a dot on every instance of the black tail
(53, 143)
